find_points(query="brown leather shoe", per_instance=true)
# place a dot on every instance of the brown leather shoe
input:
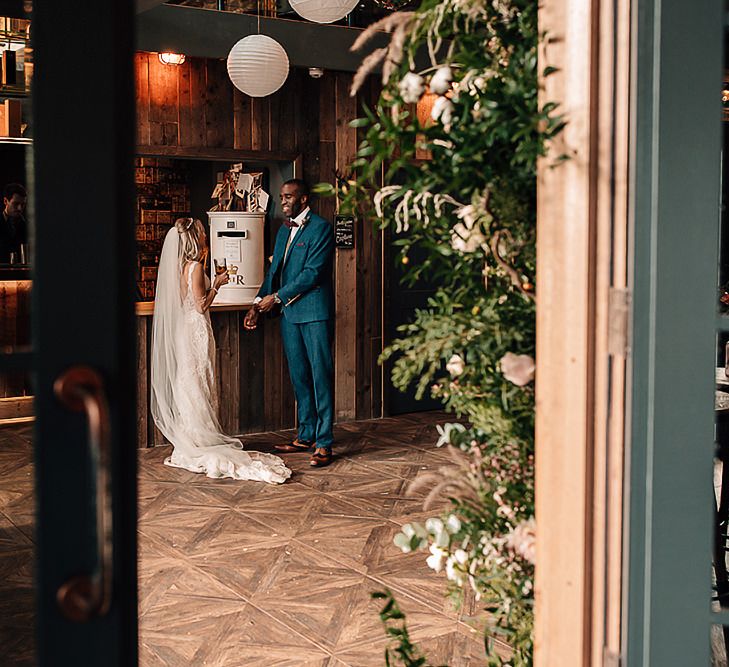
(320, 458)
(295, 446)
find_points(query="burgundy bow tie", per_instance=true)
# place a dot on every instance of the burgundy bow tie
(290, 222)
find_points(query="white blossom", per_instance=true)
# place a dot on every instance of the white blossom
(461, 556)
(437, 558)
(402, 541)
(408, 530)
(517, 368)
(467, 240)
(443, 111)
(442, 538)
(468, 215)
(440, 82)
(434, 525)
(455, 365)
(453, 524)
(452, 571)
(411, 88)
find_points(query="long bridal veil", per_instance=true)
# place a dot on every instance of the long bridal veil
(183, 397)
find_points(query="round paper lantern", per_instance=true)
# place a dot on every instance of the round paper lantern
(258, 65)
(323, 11)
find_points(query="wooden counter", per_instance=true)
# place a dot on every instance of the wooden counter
(253, 379)
(147, 308)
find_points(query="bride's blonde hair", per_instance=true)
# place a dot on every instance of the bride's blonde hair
(192, 244)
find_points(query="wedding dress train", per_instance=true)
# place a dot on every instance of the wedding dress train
(184, 396)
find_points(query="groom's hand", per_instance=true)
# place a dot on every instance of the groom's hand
(251, 319)
(266, 303)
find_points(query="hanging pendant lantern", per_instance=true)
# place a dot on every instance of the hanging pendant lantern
(323, 11)
(258, 65)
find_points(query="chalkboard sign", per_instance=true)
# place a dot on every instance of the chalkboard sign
(344, 231)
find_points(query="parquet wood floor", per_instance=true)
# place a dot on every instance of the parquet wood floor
(241, 573)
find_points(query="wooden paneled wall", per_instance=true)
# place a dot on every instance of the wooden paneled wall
(15, 388)
(194, 110)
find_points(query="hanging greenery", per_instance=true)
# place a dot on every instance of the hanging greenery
(471, 207)
(393, 5)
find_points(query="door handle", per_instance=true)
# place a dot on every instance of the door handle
(81, 389)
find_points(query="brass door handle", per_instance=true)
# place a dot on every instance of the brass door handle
(82, 597)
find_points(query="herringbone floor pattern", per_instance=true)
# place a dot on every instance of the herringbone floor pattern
(242, 573)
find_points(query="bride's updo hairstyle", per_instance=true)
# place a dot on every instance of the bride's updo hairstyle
(192, 239)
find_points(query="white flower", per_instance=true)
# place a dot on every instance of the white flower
(452, 572)
(402, 541)
(411, 88)
(465, 240)
(442, 538)
(440, 82)
(453, 568)
(436, 560)
(468, 215)
(434, 525)
(443, 110)
(453, 524)
(455, 365)
(461, 556)
(517, 368)
(445, 433)
(523, 540)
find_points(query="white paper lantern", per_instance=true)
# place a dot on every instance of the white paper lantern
(258, 65)
(323, 11)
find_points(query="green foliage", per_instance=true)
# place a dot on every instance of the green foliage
(470, 211)
(404, 652)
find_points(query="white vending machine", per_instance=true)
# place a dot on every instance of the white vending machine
(236, 246)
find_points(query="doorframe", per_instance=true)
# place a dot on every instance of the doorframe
(582, 310)
(623, 555)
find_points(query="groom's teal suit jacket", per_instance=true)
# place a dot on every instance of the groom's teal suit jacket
(303, 279)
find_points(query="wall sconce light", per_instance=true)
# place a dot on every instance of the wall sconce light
(172, 58)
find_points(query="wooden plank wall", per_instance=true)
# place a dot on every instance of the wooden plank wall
(195, 107)
(15, 332)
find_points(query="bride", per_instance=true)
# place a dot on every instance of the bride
(184, 398)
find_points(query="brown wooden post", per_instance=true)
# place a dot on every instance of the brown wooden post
(581, 335)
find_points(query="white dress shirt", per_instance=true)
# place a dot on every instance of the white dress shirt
(299, 219)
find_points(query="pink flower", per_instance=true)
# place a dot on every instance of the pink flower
(455, 365)
(517, 368)
(523, 540)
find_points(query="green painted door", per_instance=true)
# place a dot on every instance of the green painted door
(83, 360)
(676, 142)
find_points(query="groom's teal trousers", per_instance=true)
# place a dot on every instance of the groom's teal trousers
(309, 355)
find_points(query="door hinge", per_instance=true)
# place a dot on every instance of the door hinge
(619, 303)
(611, 659)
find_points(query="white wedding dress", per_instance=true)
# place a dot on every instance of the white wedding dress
(184, 396)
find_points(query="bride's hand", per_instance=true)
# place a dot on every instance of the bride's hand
(220, 280)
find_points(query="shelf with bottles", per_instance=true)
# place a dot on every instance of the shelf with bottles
(163, 195)
(17, 57)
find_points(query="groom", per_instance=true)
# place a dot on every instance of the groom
(299, 280)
